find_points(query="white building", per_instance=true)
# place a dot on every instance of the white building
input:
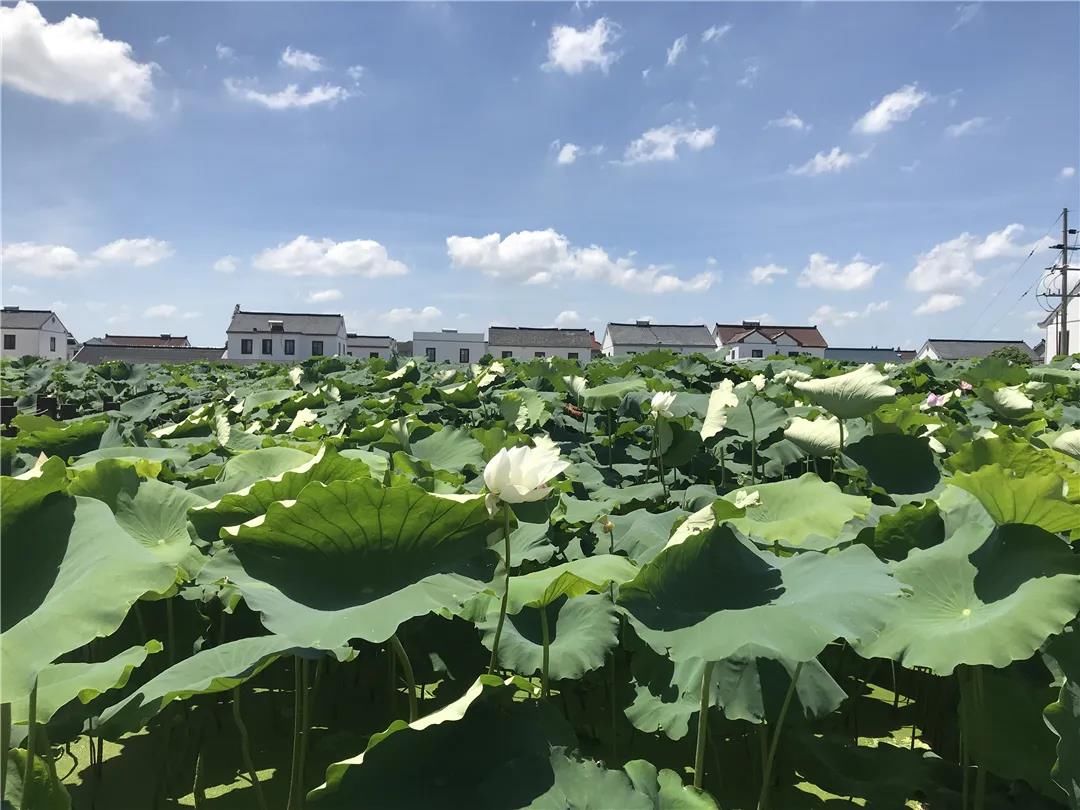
(283, 337)
(526, 343)
(1052, 326)
(367, 346)
(449, 346)
(749, 339)
(35, 332)
(644, 336)
(945, 349)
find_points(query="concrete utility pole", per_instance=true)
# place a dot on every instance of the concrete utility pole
(1063, 308)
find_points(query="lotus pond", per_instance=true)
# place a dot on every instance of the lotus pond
(689, 584)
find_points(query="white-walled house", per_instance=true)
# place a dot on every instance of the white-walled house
(35, 332)
(1051, 324)
(283, 337)
(644, 336)
(748, 339)
(368, 346)
(526, 343)
(947, 349)
(449, 346)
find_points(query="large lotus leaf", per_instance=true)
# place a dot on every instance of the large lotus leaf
(1068, 443)
(247, 468)
(252, 501)
(713, 594)
(141, 408)
(804, 512)
(450, 449)
(523, 408)
(1021, 457)
(1036, 499)
(59, 684)
(606, 500)
(574, 578)
(720, 402)
(857, 393)
(898, 463)
(911, 526)
(983, 596)
(1009, 402)
(354, 559)
(582, 632)
(28, 490)
(41, 434)
(376, 461)
(459, 394)
(1063, 718)
(768, 417)
(152, 513)
(484, 751)
(131, 455)
(218, 669)
(266, 399)
(69, 575)
(640, 534)
(528, 543)
(408, 373)
(609, 396)
(817, 437)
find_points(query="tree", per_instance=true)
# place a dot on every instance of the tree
(1014, 354)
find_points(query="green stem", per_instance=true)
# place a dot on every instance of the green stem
(171, 622)
(198, 793)
(840, 455)
(31, 742)
(702, 725)
(245, 749)
(545, 636)
(506, 590)
(297, 699)
(614, 714)
(5, 744)
(723, 469)
(610, 432)
(766, 779)
(406, 668)
(753, 441)
(305, 731)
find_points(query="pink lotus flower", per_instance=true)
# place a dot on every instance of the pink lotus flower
(935, 400)
(965, 386)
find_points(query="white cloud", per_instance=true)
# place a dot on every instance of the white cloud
(788, 120)
(828, 275)
(966, 127)
(190, 316)
(828, 162)
(568, 154)
(33, 259)
(711, 261)
(288, 98)
(910, 167)
(939, 302)
(225, 53)
(763, 274)
(1067, 172)
(573, 51)
(71, 61)
(138, 252)
(645, 73)
(304, 256)
(715, 32)
(543, 257)
(19, 289)
(677, 49)
(965, 13)
(302, 60)
(567, 317)
(750, 73)
(226, 264)
(894, 108)
(662, 143)
(419, 317)
(356, 73)
(322, 296)
(162, 39)
(951, 265)
(829, 315)
(160, 311)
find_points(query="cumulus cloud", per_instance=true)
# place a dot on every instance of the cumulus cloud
(1067, 172)
(939, 302)
(952, 265)
(355, 72)
(302, 60)
(47, 261)
(225, 53)
(662, 143)
(788, 120)
(715, 32)
(750, 73)
(677, 49)
(893, 108)
(142, 252)
(829, 275)
(966, 127)
(568, 153)
(288, 98)
(72, 62)
(19, 289)
(830, 162)
(965, 13)
(322, 296)
(829, 315)
(543, 257)
(160, 311)
(763, 274)
(304, 256)
(573, 50)
(226, 264)
(420, 317)
(567, 317)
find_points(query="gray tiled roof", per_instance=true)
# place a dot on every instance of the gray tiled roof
(659, 334)
(871, 355)
(24, 318)
(95, 353)
(301, 323)
(964, 349)
(526, 336)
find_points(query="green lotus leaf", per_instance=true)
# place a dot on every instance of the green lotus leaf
(408, 373)
(817, 437)
(485, 750)
(376, 462)
(768, 417)
(59, 684)
(1021, 457)
(252, 501)
(28, 490)
(247, 468)
(609, 396)
(69, 574)
(574, 578)
(898, 463)
(640, 534)
(42, 434)
(1035, 499)
(48, 791)
(528, 543)
(266, 400)
(911, 526)
(218, 669)
(1008, 401)
(721, 401)
(354, 559)
(583, 630)
(449, 449)
(131, 455)
(983, 596)
(712, 594)
(1063, 718)
(857, 393)
(606, 500)
(803, 512)
(523, 408)
(1068, 443)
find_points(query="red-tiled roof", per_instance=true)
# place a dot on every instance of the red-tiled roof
(807, 336)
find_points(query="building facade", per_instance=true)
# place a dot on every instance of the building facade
(749, 339)
(283, 337)
(1051, 326)
(449, 346)
(943, 349)
(644, 336)
(524, 343)
(872, 354)
(368, 346)
(95, 353)
(34, 332)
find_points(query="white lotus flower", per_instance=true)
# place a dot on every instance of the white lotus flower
(520, 475)
(744, 499)
(662, 402)
(758, 381)
(790, 375)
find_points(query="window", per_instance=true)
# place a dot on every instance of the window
(245, 346)
(539, 354)
(793, 354)
(267, 346)
(429, 353)
(463, 355)
(506, 354)
(290, 346)
(9, 341)
(757, 353)
(316, 348)
(571, 355)
(372, 355)
(52, 344)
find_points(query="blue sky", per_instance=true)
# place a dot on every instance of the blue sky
(880, 169)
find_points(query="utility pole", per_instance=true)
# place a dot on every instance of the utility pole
(1063, 309)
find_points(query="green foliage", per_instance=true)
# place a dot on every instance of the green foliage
(1012, 354)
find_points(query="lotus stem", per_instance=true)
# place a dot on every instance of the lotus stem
(723, 468)
(614, 714)
(297, 699)
(31, 742)
(766, 779)
(545, 683)
(610, 435)
(5, 744)
(702, 725)
(506, 591)
(171, 622)
(245, 749)
(407, 670)
(305, 730)
(753, 441)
